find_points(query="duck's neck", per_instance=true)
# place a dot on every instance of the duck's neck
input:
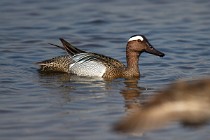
(132, 68)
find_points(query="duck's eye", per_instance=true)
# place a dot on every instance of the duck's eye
(139, 40)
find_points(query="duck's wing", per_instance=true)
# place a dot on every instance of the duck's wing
(83, 58)
(110, 61)
(70, 48)
(57, 46)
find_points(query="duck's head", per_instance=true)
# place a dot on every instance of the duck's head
(139, 43)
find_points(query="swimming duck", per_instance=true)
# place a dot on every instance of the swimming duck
(91, 64)
(187, 102)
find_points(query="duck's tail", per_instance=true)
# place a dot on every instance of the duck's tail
(60, 63)
(57, 64)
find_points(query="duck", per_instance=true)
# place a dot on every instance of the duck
(184, 101)
(90, 64)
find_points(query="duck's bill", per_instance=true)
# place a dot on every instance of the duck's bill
(152, 50)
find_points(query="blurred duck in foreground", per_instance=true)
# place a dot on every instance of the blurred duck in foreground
(187, 102)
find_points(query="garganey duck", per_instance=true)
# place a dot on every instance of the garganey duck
(91, 64)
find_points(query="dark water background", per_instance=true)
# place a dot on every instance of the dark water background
(55, 106)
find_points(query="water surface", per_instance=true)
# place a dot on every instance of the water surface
(41, 106)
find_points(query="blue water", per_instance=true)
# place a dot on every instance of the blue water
(58, 106)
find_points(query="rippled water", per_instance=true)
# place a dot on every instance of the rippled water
(55, 106)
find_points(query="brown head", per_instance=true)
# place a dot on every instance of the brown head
(139, 44)
(135, 46)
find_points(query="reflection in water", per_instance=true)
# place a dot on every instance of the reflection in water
(59, 76)
(131, 94)
(64, 78)
(185, 101)
(64, 85)
(77, 88)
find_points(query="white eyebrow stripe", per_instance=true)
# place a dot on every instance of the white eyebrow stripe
(136, 38)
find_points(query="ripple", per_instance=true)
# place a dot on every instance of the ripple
(45, 106)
